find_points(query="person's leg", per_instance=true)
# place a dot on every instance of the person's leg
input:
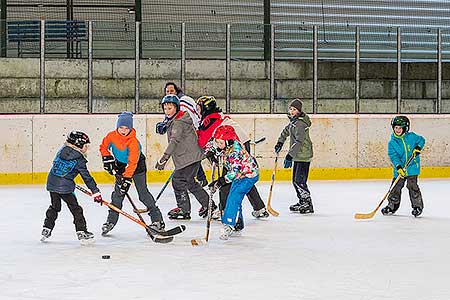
(52, 212)
(77, 211)
(140, 181)
(117, 201)
(194, 187)
(394, 197)
(415, 195)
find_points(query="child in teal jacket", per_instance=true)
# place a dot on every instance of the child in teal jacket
(402, 145)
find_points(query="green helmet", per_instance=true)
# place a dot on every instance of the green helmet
(401, 121)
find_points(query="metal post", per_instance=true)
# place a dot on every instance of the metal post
(3, 17)
(399, 69)
(183, 56)
(315, 80)
(439, 72)
(267, 29)
(90, 68)
(42, 69)
(357, 68)
(228, 70)
(137, 65)
(138, 18)
(272, 68)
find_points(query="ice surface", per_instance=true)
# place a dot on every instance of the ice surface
(328, 255)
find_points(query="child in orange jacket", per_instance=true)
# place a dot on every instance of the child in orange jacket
(122, 154)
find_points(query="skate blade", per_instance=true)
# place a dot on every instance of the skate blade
(87, 242)
(43, 239)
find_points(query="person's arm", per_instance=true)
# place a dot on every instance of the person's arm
(299, 138)
(86, 176)
(134, 153)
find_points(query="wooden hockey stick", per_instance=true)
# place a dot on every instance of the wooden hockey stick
(198, 242)
(116, 209)
(269, 207)
(372, 213)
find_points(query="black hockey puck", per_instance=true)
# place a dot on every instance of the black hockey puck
(106, 256)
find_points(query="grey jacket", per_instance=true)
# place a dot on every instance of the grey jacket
(300, 147)
(67, 164)
(183, 141)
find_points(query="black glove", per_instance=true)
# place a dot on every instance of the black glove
(161, 163)
(109, 164)
(217, 184)
(278, 147)
(124, 185)
(417, 150)
(212, 157)
(161, 127)
(401, 171)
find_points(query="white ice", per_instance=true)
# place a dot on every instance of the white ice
(327, 255)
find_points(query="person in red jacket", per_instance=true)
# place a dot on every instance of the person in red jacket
(211, 118)
(122, 155)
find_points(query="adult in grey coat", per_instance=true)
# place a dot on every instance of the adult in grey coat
(186, 154)
(300, 153)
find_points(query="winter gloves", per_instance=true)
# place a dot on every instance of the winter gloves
(401, 172)
(161, 127)
(98, 198)
(109, 164)
(124, 184)
(288, 161)
(278, 147)
(161, 163)
(417, 150)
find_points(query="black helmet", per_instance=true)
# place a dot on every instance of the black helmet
(401, 121)
(78, 139)
(208, 105)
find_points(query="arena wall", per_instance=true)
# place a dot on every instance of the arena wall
(345, 146)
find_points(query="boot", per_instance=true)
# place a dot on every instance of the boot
(46, 233)
(178, 214)
(158, 225)
(106, 228)
(226, 232)
(390, 209)
(84, 235)
(304, 207)
(203, 212)
(259, 214)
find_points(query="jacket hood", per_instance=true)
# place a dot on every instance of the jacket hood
(69, 152)
(184, 117)
(302, 117)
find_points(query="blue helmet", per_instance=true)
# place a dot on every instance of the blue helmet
(170, 99)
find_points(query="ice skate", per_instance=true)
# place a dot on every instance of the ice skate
(158, 225)
(302, 207)
(388, 210)
(46, 233)
(260, 214)
(106, 228)
(417, 211)
(178, 214)
(203, 212)
(85, 237)
(226, 232)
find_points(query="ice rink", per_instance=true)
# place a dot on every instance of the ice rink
(327, 255)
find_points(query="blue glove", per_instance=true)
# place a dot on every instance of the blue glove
(161, 127)
(288, 161)
(278, 147)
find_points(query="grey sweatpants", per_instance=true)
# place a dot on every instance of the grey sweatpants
(182, 181)
(140, 181)
(414, 193)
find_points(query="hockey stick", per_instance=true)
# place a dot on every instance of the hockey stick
(258, 141)
(269, 207)
(112, 207)
(144, 210)
(372, 213)
(204, 241)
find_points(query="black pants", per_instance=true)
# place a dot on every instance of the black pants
(300, 174)
(182, 182)
(55, 208)
(414, 193)
(140, 182)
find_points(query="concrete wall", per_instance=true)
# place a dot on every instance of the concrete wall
(345, 146)
(66, 85)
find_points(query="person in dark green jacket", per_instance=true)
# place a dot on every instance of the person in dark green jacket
(402, 145)
(300, 154)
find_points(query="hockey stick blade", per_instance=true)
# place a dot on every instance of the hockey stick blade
(258, 141)
(170, 232)
(200, 242)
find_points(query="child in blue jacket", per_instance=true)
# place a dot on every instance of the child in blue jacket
(401, 147)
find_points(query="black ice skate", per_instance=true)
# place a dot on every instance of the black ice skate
(417, 211)
(388, 210)
(303, 208)
(46, 233)
(203, 212)
(178, 214)
(158, 225)
(85, 237)
(260, 214)
(106, 228)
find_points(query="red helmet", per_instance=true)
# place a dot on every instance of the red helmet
(225, 132)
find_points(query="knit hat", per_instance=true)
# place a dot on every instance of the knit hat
(125, 119)
(297, 104)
